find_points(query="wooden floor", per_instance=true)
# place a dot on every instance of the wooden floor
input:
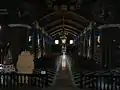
(63, 81)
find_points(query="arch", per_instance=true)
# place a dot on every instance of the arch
(59, 15)
(65, 30)
(65, 21)
(68, 12)
(66, 26)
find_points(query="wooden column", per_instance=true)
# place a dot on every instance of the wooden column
(92, 41)
(84, 46)
(35, 44)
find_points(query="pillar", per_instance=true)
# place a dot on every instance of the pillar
(84, 42)
(92, 41)
(81, 45)
(34, 30)
(85, 46)
(43, 46)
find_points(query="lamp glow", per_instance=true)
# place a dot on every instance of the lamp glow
(71, 41)
(63, 41)
(98, 39)
(63, 64)
(38, 41)
(56, 41)
(43, 72)
(64, 56)
(30, 38)
(1, 68)
(0, 27)
(63, 60)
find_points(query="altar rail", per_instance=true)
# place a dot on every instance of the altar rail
(98, 82)
(14, 80)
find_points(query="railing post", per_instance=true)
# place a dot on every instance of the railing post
(81, 81)
(46, 80)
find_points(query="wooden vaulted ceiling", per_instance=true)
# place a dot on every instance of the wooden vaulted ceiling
(50, 13)
(71, 21)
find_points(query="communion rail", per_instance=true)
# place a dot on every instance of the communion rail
(18, 80)
(97, 81)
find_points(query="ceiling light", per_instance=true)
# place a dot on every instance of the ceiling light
(56, 41)
(71, 41)
(0, 27)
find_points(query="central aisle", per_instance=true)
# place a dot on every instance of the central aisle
(63, 80)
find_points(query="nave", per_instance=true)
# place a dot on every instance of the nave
(35, 33)
(63, 78)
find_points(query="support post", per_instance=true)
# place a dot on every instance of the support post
(34, 30)
(84, 44)
(92, 41)
(41, 44)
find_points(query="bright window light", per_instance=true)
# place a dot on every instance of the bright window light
(71, 41)
(56, 41)
(43, 72)
(63, 63)
(98, 39)
(1, 68)
(63, 60)
(30, 38)
(38, 41)
(64, 57)
(63, 41)
(0, 27)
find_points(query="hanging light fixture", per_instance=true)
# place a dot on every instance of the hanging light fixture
(63, 37)
(63, 41)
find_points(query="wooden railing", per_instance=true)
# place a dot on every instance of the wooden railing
(50, 75)
(16, 80)
(96, 81)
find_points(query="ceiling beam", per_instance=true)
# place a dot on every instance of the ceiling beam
(65, 26)
(61, 29)
(65, 14)
(65, 21)
(65, 31)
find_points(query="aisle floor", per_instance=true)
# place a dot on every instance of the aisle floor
(63, 81)
(63, 78)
